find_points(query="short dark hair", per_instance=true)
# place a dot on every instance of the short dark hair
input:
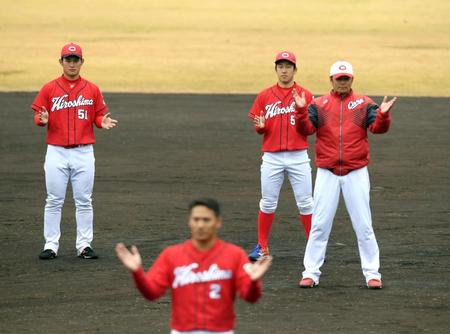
(72, 56)
(210, 203)
(284, 61)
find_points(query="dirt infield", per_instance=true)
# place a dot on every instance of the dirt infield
(171, 148)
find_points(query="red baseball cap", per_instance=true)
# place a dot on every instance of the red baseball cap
(71, 49)
(286, 55)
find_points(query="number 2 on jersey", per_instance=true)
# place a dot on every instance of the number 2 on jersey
(214, 293)
(82, 114)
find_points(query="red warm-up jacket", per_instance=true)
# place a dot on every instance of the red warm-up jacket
(340, 123)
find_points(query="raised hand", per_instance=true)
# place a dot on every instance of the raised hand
(108, 122)
(259, 121)
(300, 101)
(387, 105)
(258, 269)
(130, 259)
(43, 115)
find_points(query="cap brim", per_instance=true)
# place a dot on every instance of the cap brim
(71, 55)
(288, 60)
(340, 75)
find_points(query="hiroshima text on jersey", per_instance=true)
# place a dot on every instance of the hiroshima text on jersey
(59, 102)
(184, 274)
(274, 109)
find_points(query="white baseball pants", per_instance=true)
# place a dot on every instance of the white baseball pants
(78, 166)
(273, 168)
(355, 188)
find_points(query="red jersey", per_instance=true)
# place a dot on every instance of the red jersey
(203, 284)
(73, 107)
(278, 107)
(341, 124)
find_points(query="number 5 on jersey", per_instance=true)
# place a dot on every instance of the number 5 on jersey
(82, 114)
(292, 119)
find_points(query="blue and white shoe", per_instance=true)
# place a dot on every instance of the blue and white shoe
(258, 252)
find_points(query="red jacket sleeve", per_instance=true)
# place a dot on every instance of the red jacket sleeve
(378, 122)
(255, 110)
(303, 119)
(249, 290)
(382, 123)
(41, 100)
(154, 283)
(100, 109)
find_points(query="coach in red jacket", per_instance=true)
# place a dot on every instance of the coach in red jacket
(204, 274)
(340, 120)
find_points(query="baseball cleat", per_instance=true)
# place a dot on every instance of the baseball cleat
(88, 253)
(47, 254)
(307, 283)
(258, 252)
(374, 284)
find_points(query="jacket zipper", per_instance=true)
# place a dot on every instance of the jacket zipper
(340, 139)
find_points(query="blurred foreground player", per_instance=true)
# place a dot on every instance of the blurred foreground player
(204, 274)
(340, 121)
(69, 106)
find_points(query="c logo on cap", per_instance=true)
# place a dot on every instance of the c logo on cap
(72, 48)
(342, 67)
(285, 55)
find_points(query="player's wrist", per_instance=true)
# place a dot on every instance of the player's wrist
(136, 269)
(384, 114)
(301, 110)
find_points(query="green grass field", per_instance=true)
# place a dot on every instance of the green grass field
(397, 47)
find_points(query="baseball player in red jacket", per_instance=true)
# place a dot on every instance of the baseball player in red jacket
(340, 120)
(69, 106)
(285, 150)
(204, 274)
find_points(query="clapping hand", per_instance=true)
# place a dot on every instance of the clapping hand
(387, 105)
(300, 101)
(258, 269)
(259, 121)
(43, 115)
(107, 122)
(131, 259)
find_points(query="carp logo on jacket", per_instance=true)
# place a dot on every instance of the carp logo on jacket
(354, 104)
(274, 109)
(185, 275)
(60, 102)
